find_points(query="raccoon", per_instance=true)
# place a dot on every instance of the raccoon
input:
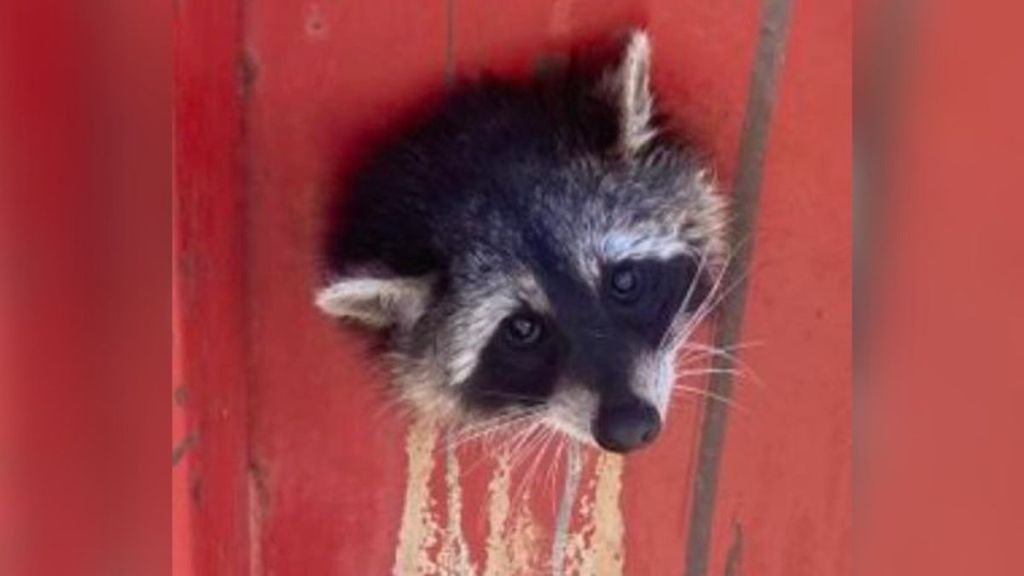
(535, 251)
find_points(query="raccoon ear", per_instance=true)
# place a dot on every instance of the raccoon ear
(374, 301)
(628, 86)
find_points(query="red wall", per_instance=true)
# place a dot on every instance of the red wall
(293, 464)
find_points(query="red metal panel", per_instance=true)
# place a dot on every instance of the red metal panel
(334, 470)
(329, 472)
(210, 488)
(785, 488)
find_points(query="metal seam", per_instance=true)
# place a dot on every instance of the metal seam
(746, 198)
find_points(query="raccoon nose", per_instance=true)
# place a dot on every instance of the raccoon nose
(627, 427)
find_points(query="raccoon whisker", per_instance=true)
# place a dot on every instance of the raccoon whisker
(693, 285)
(493, 421)
(518, 454)
(697, 346)
(493, 425)
(545, 459)
(524, 480)
(692, 356)
(694, 352)
(486, 455)
(461, 438)
(535, 447)
(740, 375)
(491, 431)
(538, 448)
(701, 372)
(714, 298)
(689, 357)
(682, 327)
(533, 441)
(697, 352)
(673, 328)
(706, 307)
(522, 439)
(393, 405)
(710, 395)
(506, 446)
(489, 451)
(552, 473)
(710, 305)
(519, 436)
(744, 345)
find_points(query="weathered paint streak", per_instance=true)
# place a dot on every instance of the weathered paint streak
(498, 561)
(607, 519)
(419, 529)
(596, 548)
(454, 555)
(574, 467)
(432, 540)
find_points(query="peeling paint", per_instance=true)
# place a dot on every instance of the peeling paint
(498, 561)
(596, 548)
(560, 542)
(608, 526)
(419, 531)
(524, 542)
(432, 539)
(454, 555)
(512, 535)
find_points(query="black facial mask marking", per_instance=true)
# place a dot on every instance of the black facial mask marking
(519, 365)
(644, 296)
(528, 353)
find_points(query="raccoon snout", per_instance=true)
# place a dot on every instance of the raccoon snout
(626, 427)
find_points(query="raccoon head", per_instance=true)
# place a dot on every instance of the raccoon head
(534, 252)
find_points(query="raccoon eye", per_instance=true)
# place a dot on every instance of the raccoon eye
(625, 283)
(522, 330)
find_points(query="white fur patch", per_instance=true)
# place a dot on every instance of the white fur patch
(641, 245)
(637, 102)
(572, 410)
(628, 86)
(375, 302)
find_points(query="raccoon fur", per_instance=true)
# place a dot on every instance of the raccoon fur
(534, 252)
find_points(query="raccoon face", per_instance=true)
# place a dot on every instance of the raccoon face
(534, 254)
